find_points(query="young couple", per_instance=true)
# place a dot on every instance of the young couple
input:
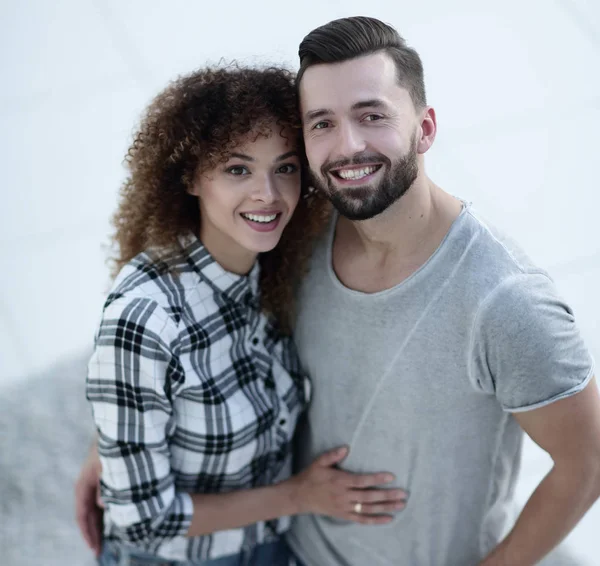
(430, 342)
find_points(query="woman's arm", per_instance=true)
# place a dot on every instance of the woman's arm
(133, 376)
(321, 488)
(132, 363)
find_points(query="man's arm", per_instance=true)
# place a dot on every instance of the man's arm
(569, 430)
(89, 508)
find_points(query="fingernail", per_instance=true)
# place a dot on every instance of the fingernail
(389, 477)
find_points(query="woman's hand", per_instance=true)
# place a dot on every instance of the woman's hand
(326, 490)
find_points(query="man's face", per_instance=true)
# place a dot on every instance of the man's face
(361, 132)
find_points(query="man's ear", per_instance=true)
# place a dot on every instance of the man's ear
(428, 130)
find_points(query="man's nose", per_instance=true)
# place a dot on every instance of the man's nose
(349, 141)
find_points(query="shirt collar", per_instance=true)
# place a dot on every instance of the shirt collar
(238, 288)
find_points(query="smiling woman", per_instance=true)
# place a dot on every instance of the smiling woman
(246, 202)
(195, 385)
(217, 139)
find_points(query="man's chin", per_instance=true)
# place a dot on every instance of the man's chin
(357, 194)
(354, 209)
(358, 215)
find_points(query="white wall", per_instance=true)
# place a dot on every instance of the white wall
(516, 86)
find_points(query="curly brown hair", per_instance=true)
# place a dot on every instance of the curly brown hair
(195, 124)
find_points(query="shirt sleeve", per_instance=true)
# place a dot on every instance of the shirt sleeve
(131, 379)
(526, 347)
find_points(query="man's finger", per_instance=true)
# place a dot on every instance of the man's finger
(81, 504)
(99, 501)
(84, 530)
(94, 526)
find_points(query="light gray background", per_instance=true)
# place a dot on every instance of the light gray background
(516, 87)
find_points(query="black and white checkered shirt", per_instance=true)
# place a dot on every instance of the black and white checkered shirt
(193, 391)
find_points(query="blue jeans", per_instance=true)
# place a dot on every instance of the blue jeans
(269, 554)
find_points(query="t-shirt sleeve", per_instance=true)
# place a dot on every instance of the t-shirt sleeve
(526, 347)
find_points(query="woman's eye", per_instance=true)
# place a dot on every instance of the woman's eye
(237, 170)
(320, 126)
(288, 168)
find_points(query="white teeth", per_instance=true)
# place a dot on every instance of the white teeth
(356, 173)
(257, 218)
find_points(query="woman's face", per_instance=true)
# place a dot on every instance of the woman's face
(246, 203)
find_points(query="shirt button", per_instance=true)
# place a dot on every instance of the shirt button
(282, 422)
(255, 340)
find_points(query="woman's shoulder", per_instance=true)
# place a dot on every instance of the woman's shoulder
(155, 276)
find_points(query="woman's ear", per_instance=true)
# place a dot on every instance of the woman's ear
(194, 187)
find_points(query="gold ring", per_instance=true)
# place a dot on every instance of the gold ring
(357, 507)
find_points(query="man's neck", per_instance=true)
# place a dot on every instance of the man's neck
(406, 226)
(377, 254)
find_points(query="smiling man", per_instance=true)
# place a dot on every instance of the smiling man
(433, 341)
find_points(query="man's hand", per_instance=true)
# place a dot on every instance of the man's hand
(569, 430)
(88, 504)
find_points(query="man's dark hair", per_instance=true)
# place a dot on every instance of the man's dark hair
(348, 38)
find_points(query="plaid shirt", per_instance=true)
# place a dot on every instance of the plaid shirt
(193, 391)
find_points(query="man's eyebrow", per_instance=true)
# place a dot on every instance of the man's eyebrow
(322, 112)
(371, 103)
(314, 114)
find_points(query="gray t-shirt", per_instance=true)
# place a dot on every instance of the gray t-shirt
(421, 380)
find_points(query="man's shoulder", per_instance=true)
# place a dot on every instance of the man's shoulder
(495, 251)
(482, 259)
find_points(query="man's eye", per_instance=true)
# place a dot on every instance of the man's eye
(320, 126)
(237, 170)
(373, 117)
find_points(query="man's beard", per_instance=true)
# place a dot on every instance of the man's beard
(362, 203)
